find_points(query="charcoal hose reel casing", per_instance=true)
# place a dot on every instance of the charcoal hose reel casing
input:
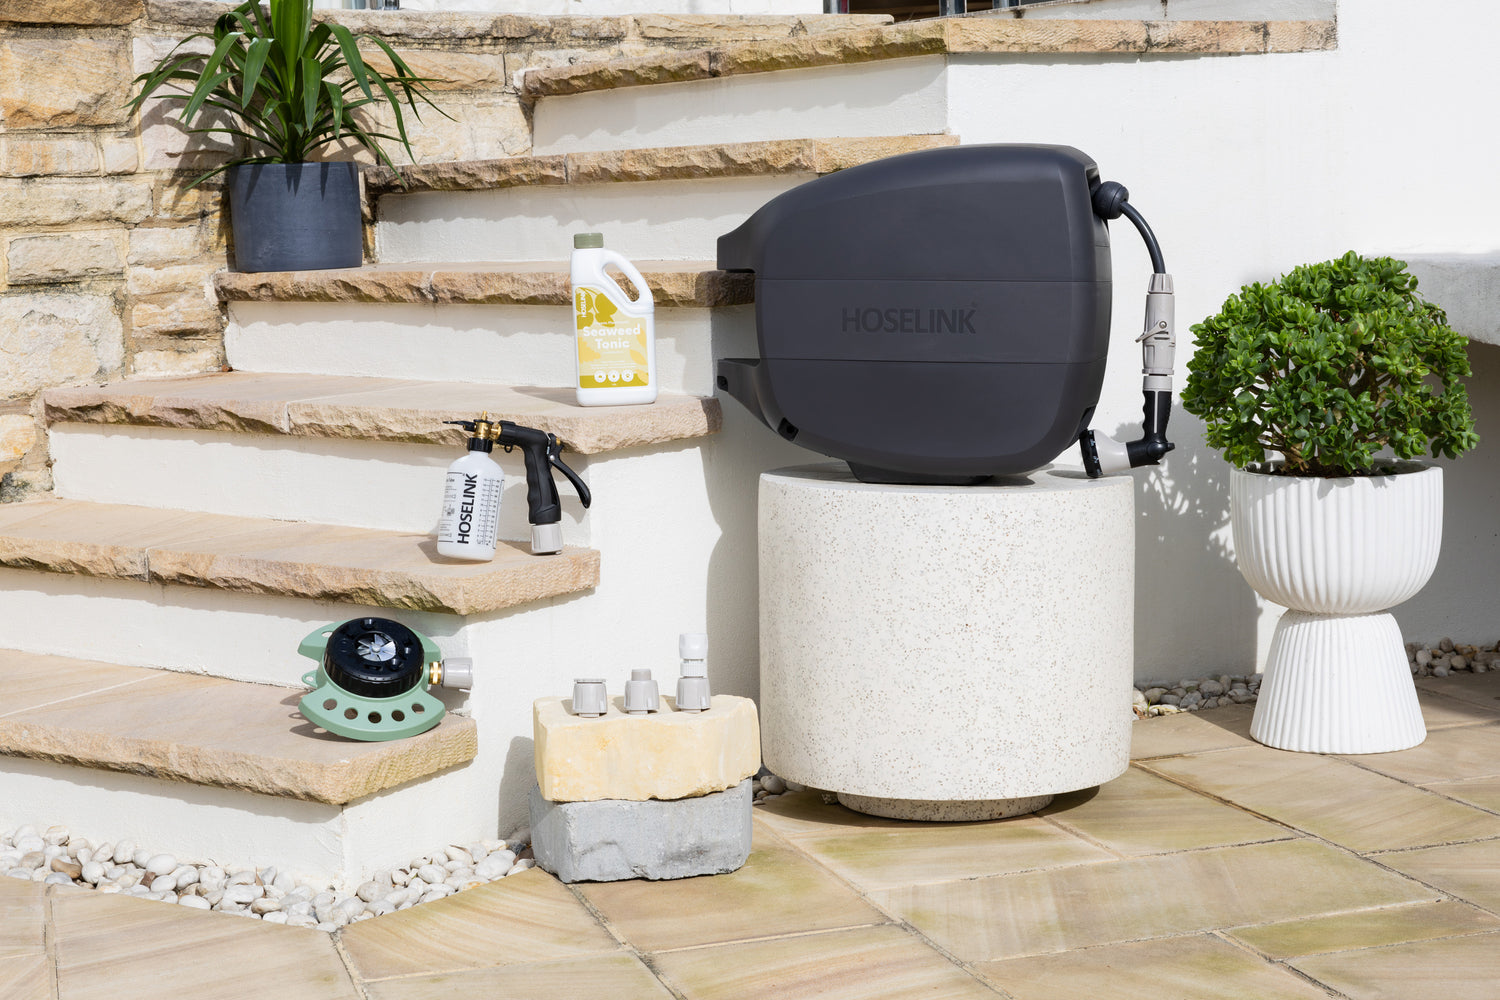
(937, 317)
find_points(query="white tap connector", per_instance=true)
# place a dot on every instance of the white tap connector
(590, 700)
(640, 693)
(693, 694)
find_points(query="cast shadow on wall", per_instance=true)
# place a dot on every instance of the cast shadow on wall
(1194, 614)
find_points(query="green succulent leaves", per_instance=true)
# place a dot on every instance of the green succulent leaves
(287, 87)
(1329, 366)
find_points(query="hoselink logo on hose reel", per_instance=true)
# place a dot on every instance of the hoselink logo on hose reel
(856, 319)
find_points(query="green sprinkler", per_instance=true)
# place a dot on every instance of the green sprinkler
(372, 679)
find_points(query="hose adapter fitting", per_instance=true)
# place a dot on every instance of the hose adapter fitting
(1102, 455)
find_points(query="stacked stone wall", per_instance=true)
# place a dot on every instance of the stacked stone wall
(107, 253)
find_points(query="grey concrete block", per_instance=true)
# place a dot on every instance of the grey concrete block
(612, 839)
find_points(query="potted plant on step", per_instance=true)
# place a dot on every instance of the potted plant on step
(289, 89)
(1347, 374)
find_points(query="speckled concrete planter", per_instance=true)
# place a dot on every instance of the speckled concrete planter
(912, 636)
(1337, 553)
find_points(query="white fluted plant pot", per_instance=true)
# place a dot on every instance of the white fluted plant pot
(1338, 553)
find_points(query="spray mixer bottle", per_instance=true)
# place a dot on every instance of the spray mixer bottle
(471, 497)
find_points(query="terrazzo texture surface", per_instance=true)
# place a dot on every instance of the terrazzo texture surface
(884, 682)
(1214, 867)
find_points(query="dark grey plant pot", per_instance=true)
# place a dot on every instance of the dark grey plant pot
(295, 216)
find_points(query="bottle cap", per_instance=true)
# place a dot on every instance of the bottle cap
(588, 241)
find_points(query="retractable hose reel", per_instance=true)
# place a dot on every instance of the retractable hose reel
(943, 316)
(372, 679)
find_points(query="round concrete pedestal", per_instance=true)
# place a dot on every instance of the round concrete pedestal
(942, 652)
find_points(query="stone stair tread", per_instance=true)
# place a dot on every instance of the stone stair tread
(740, 159)
(362, 566)
(204, 730)
(536, 283)
(371, 408)
(940, 36)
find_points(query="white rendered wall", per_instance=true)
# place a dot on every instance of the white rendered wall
(1246, 167)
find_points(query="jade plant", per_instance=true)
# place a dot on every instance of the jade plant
(1330, 366)
(287, 86)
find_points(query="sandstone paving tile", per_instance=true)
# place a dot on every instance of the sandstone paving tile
(1202, 967)
(874, 860)
(25, 977)
(1375, 928)
(23, 913)
(171, 727)
(31, 681)
(1033, 913)
(778, 891)
(1140, 813)
(1470, 871)
(894, 852)
(1482, 792)
(1482, 690)
(528, 917)
(1462, 968)
(116, 948)
(609, 977)
(1190, 732)
(868, 963)
(1446, 755)
(1442, 710)
(1330, 798)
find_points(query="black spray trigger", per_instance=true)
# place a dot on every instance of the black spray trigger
(554, 458)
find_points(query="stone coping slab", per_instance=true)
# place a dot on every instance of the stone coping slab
(385, 569)
(482, 28)
(207, 731)
(737, 159)
(672, 283)
(941, 36)
(378, 409)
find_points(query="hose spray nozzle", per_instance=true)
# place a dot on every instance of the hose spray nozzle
(542, 453)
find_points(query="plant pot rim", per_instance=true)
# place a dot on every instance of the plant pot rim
(1381, 470)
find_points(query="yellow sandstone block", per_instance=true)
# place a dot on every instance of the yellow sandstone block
(664, 755)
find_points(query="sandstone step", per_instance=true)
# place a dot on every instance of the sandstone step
(475, 323)
(851, 83)
(297, 447)
(204, 730)
(375, 409)
(254, 556)
(220, 771)
(662, 203)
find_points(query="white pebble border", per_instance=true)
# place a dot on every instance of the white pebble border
(55, 857)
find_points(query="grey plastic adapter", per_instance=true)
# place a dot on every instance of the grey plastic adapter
(693, 694)
(457, 672)
(640, 693)
(590, 700)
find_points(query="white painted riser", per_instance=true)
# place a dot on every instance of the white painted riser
(503, 344)
(357, 483)
(676, 532)
(651, 220)
(884, 97)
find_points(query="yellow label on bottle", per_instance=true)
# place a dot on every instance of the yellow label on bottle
(611, 345)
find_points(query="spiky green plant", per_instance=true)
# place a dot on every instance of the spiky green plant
(285, 85)
(1329, 365)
